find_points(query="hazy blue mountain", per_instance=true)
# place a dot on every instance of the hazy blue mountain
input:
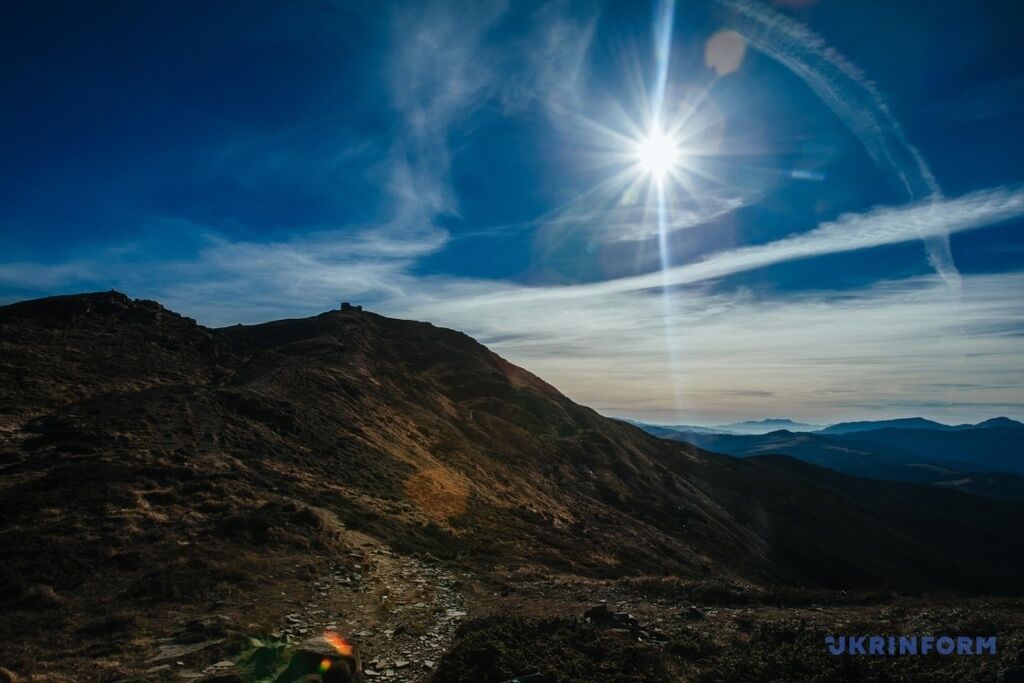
(745, 427)
(918, 423)
(666, 431)
(1003, 422)
(899, 423)
(763, 426)
(892, 454)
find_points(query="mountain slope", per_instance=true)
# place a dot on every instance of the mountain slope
(154, 466)
(417, 433)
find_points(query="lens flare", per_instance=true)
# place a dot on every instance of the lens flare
(325, 664)
(724, 52)
(343, 647)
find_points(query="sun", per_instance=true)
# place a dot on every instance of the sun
(657, 154)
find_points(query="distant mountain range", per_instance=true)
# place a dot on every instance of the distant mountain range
(917, 423)
(745, 427)
(775, 424)
(983, 458)
(765, 426)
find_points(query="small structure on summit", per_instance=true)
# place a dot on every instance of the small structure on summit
(346, 306)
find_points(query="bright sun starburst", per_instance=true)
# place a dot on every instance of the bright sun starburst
(657, 154)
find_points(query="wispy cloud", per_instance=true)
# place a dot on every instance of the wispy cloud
(811, 355)
(227, 281)
(851, 232)
(439, 70)
(553, 70)
(443, 65)
(603, 343)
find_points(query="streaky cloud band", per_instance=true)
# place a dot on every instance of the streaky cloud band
(850, 232)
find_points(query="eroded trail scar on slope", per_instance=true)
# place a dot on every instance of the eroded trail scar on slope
(401, 611)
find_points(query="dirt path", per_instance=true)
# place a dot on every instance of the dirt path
(401, 611)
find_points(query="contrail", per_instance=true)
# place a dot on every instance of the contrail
(664, 19)
(854, 99)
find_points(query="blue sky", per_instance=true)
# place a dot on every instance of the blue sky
(839, 233)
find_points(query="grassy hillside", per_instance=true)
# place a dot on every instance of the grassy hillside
(154, 469)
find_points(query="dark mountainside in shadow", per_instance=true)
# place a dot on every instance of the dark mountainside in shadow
(152, 470)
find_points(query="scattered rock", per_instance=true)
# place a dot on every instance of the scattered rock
(692, 612)
(178, 650)
(223, 678)
(402, 583)
(622, 625)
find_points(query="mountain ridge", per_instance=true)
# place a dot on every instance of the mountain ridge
(974, 462)
(766, 426)
(917, 423)
(167, 461)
